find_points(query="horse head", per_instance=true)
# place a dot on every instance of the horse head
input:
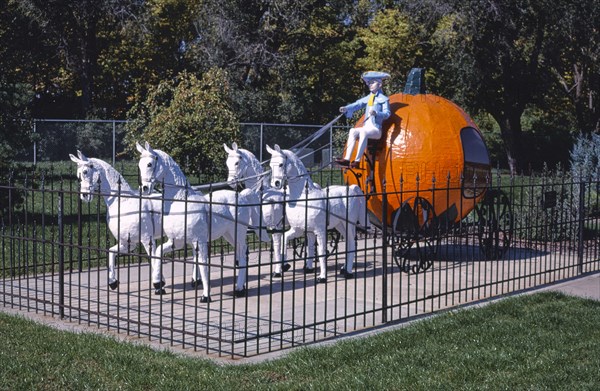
(150, 168)
(235, 165)
(278, 164)
(88, 176)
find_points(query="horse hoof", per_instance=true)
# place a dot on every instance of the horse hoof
(321, 280)
(308, 270)
(346, 274)
(205, 299)
(158, 285)
(114, 285)
(286, 267)
(196, 284)
(160, 292)
(276, 275)
(240, 293)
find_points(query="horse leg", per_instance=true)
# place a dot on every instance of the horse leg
(201, 261)
(113, 283)
(166, 248)
(322, 254)
(350, 239)
(278, 257)
(272, 215)
(310, 252)
(157, 278)
(240, 254)
(282, 266)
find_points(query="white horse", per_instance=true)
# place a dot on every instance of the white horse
(131, 219)
(310, 208)
(245, 169)
(194, 219)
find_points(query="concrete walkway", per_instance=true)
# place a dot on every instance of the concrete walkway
(587, 287)
(292, 311)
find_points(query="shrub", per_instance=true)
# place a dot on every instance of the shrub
(585, 157)
(188, 118)
(550, 207)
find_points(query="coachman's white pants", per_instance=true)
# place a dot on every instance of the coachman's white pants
(367, 131)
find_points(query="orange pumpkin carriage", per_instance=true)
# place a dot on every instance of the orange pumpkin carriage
(428, 171)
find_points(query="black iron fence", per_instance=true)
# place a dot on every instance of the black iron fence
(525, 232)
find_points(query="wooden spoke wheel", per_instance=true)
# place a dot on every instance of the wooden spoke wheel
(494, 222)
(415, 235)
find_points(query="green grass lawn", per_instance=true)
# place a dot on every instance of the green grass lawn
(542, 341)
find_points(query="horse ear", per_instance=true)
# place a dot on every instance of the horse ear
(149, 148)
(74, 158)
(82, 156)
(277, 147)
(269, 149)
(139, 148)
(234, 146)
(227, 149)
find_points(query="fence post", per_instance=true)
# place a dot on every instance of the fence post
(384, 245)
(260, 146)
(580, 221)
(114, 142)
(331, 157)
(61, 255)
(34, 143)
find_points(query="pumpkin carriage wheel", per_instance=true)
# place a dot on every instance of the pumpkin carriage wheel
(415, 235)
(494, 222)
(300, 250)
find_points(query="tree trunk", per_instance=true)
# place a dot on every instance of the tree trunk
(511, 130)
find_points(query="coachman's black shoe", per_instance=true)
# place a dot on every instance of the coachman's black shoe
(342, 162)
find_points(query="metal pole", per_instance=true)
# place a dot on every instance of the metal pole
(61, 256)
(114, 140)
(34, 144)
(260, 159)
(384, 245)
(330, 144)
(581, 226)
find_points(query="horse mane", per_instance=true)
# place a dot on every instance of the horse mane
(254, 165)
(113, 176)
(171, 164)
(302, 171)
(251, 158)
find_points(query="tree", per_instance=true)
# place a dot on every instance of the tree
(390, 45)
(15, 99)
(289, 61)
(495, 54)
(576, 60)
(190, 119)
(245, 38)
(16, 89)
(150, 46)
(73, 30)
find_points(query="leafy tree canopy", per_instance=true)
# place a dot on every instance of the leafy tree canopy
(189, 118)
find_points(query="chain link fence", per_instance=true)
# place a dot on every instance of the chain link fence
(57, 138)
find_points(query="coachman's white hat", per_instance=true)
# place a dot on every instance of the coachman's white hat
(374, 75)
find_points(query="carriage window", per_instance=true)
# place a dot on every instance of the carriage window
(477, 163)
